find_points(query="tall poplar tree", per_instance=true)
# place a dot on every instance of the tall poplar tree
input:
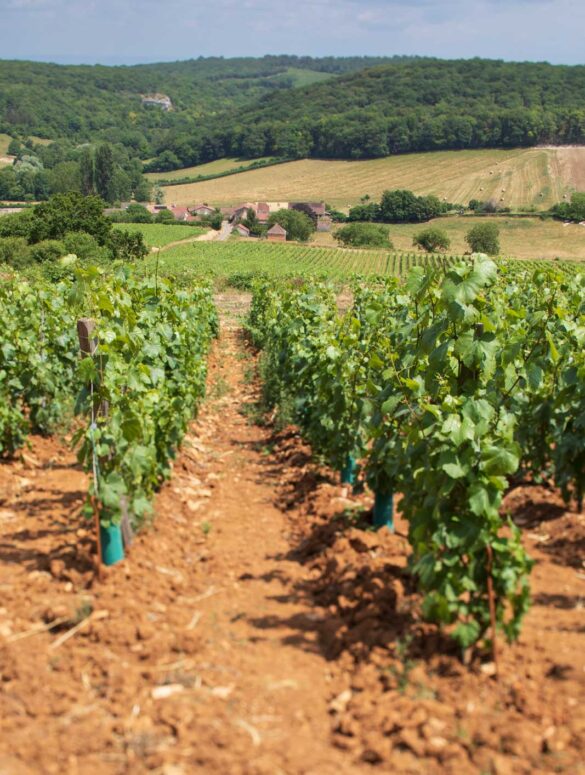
(87, 170)
(104, 173)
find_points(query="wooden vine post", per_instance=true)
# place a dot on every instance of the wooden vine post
(110, 548)
(492, 607)
(87, 342)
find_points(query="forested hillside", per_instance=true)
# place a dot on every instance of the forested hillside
(86, 102)
(291, 107)
(411, 106)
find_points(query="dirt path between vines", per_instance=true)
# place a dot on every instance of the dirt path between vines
(208, 236)
(178, 665)
(257, 629)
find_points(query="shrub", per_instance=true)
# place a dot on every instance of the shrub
(365, 212)
(213, 221)
(298, 225)
(433, 240)
(134, 213)
(364, 235)
(573, 210)
(82, 245)
(47, 250)
(484, 238)
(16, 224)
(63, 213)
(336, 215)
(164, 216)
(127, 246)
(15, 252)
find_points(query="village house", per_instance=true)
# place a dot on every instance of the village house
(316, 211)
(274, 207)
(227, 212)
(241, 211)
(181, 213)
(276, 233)
(262, 211)
(313, 209)
(202, 210)
(242, 230)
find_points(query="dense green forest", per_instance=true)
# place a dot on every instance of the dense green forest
(38, 171)
(105, 103)
(279, 106)
(399, 107)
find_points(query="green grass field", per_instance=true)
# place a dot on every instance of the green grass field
(302, 77)
(526, 238)
(158, 234)
(211, 168)
(516, 178)
(233, 261)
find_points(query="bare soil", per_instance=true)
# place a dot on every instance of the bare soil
(257, 628)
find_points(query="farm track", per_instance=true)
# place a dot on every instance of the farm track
(209, 236)
(249, 634)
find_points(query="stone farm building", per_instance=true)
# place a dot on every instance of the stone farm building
(276, 233)
(316, 212)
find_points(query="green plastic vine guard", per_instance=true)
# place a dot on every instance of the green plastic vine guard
(112, 544)
(384, 511)
(349, 471)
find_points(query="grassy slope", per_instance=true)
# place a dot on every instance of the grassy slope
(530, 177)
(523, 238)
(302, 77)
(160, 234)
(211, 168)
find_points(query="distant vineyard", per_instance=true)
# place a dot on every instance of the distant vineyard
(242, 258)
(160, 234)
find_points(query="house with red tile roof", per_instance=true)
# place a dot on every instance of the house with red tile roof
(201, 209)
(276, 233)
(262, 211)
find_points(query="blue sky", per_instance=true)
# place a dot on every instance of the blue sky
(129, 31)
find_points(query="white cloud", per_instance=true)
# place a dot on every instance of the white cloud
(152, 30)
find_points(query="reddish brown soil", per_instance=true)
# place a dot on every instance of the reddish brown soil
(256, 630)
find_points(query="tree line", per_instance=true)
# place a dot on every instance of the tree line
(64, 229)
(412, 106)
(40, 171)
(370, 107)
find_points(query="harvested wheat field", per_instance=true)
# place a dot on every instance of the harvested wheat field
(514, 178)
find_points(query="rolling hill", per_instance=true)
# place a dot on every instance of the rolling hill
(297, 107)
(521, 178)
(84, 102)
(407, 106)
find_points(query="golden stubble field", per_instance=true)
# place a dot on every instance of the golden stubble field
(514, 178)
(530, 238)
(210, 168)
